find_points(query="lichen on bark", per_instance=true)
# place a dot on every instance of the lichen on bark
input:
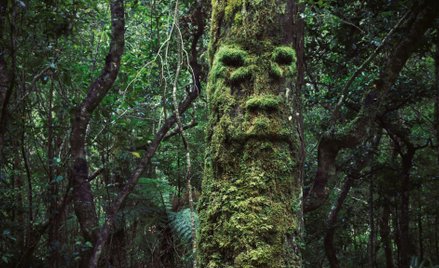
(251, 203)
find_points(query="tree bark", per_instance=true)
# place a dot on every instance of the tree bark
(436, 106)
(404, 216)
(82, 193)
(7, 73)
(371, 246)
(250, 209)
(299, 47)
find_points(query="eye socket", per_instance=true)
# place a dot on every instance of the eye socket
(284, 55)
(232, 57)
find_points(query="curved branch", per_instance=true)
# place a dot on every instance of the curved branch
(82, 194)
(356, 131)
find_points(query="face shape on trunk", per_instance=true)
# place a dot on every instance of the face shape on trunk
(251, 168)
(249, 91)
(251, 194)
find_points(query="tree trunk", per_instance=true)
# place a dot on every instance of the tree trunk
(328, 241)
(404, 216)
(150, 150)
(118, 255)
(420, 232)
(372, 104)
(436, 235)
(6, 74)
(372, 225)
(250, 209)
(82, 194)
(436, 112)
(55, 233)
(385, 233)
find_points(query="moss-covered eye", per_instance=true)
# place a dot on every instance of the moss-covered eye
(232, 57)
(284, 55)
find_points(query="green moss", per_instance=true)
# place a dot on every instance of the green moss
(231, 7)
(250, 177)
(276, 71)
(263, 102)
(240, 75)
(231, 56)
(217, 71)
(284, 55)
(260, 125)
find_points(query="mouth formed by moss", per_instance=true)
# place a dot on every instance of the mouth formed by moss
(263, 102)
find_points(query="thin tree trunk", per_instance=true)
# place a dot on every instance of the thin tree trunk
(420, 233)
(82, 194)
(118, 254)
(299, 47)
(404, 216)
(29, 187)
(331, 222)
(372, 225)
(54, 242)
(152, 147)
(385, 233)
(436, 235)
(396, 230)
(330, 250)
(135, 175)
(7, 75)
(373, 102)
(19, 204)
(436, 113)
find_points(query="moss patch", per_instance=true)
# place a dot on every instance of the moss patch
(276, 71)
(263, 102)
(284, 55)
(231, 56)
(250, 186)
(240, 75)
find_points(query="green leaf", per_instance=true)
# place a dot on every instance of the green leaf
(136, 154)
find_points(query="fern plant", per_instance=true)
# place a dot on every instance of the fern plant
(180, 223)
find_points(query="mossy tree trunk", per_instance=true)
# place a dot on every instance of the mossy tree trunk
(250, 209)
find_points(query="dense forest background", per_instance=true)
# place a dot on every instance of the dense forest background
(102, 131)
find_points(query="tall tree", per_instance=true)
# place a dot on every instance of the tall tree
(251, 203)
